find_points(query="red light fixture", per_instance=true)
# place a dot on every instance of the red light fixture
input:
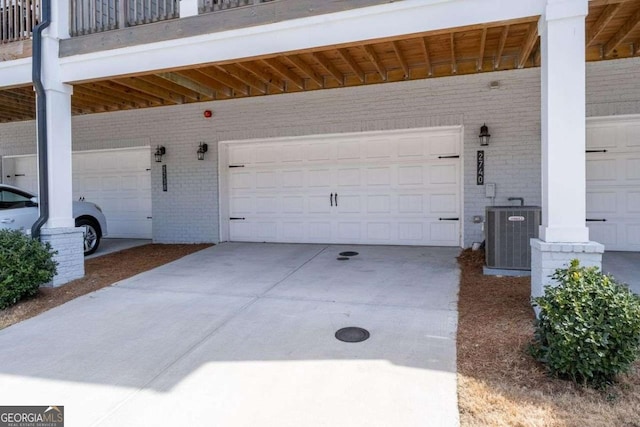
(208, 114)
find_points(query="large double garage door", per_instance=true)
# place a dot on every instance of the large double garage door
(401, 187)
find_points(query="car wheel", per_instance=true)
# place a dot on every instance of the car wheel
(91, 235)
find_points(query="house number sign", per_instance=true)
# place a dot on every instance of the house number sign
(164, 177)
(480, 165)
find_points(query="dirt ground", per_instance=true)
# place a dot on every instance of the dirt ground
(499, 384)
(99, 272)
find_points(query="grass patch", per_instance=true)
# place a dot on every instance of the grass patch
(500, 384)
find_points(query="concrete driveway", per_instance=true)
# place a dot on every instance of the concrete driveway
(243, 335)
(624, 266)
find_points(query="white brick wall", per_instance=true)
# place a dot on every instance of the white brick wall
(547, 257)
(69, 245)
(188, 211)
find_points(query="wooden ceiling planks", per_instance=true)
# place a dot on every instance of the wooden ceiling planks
(612, 31)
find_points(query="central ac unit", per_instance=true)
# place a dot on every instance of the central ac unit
(508, 232)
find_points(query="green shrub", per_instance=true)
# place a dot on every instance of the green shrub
(25, 264)
(588, 329)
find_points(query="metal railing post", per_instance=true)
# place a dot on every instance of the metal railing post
(122, 13)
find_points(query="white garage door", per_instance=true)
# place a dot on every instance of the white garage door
(385, 188)
(613, 182)
(117, 180)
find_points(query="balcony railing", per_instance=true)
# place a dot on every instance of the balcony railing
(206, 6)
(17, 19)
(94, 16)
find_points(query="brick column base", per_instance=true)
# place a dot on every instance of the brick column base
(69, 242)
(547, 257)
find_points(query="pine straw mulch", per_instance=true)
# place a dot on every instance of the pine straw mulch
(99, 273)
(499, 384)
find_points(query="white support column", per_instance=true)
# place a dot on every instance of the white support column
(563, 233)
(188, 8)
(562, 38)
(59, 155)
(60, 19)
(60, 230)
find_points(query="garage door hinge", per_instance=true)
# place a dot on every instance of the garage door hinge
(19, 174)
(596, 151)
(449, 219)
(448, 157)
(233, 218)
(148, 169)
(236, 166)
(596, 220)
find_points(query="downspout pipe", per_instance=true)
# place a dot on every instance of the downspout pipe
(41, 119)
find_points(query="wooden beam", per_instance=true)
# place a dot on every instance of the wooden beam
(203, 90)
(172, 87)
(283, 71)
(107, 98)
(605, 17)
(266, 77)
(223, 76)
(18, 96)
(537, 56)
(305, 68)
(483, 43)
(87, 106)
(427, 57)
(130, 93)
(13, 105)
(452, 41)
(605, 2)
(79, 93)
(401, 59)
(328, 65)
(530, 42)
(346, 56)
(246, 77)
(503, 40)
(120, 92)
(206, 81)
(373, 57)
(632, 23)
(79, 98)
(149, 89)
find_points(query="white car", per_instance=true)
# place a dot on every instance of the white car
(19, 210)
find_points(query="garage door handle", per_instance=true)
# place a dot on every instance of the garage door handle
(236, 219)
(7, 220)
(596, 151)
(19, 174)
(331, 199)
(449, 219)
(336, 199)
(596, 220)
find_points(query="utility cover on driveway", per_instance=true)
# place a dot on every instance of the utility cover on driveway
(352, 334)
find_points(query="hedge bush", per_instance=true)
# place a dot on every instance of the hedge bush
(588, 329)
(25, 264)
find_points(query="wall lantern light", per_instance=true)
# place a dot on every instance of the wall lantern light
(160, 151)
(202, 148)
(484, 135)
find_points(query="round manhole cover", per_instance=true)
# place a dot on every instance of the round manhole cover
(352, 334)
(343, 258)
(348, 253)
